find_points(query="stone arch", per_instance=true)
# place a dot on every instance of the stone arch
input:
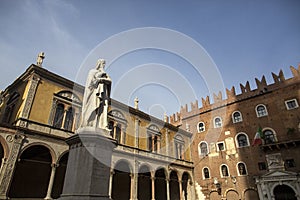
(121, 180)
(60, 173)
(51, 150)
(144, 182)
(284, 191)
(232, 194)
(32, 172)
(160, 184)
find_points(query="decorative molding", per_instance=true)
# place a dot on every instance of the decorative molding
(33, 83)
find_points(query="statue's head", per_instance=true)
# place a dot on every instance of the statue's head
(100, 64)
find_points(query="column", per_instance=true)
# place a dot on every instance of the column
(260, 193)
(167, 142)
(51, 181)
(64, 119)
(153, 147)
(133, 186)
(168, 188)
(74, 121)
(180, 187)
(110, 183)
(136, 139)
(123, 135)
(115, 130)
(153, 187)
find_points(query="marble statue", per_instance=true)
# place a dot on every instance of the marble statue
(40, 58)
(96, 98)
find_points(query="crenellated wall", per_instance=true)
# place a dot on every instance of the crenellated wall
(232, 96)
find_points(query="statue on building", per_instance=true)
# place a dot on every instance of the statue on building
(40, 58)
(96, 97)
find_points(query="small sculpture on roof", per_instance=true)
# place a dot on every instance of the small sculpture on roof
(40, 58)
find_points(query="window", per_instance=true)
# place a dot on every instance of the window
(237, 117)
(69, 119)
(242, 140)
(269, 137)
(261, 110)
(153, 140)
(291, 104)
(10, 107)
(206, 174)
(179, 147)
(220, 146)
(65, 113)
(262, 166)
(217, 122)
(203, 147)
(241, 167)
(59, 115)
(117, 125)
(224, 171)
(290, 163)
(201, 127)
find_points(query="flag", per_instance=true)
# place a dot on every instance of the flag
(258, 137)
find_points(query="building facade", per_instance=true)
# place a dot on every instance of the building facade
(247, 145)
(40, 110)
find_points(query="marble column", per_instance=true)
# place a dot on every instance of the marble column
(51, 181)
(153, 188)
(111, 183)
(168, 188)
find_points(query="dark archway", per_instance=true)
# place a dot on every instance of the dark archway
(32, 174)
(174, 186)
(284, 192)
(60, 176)
(144, 183)
(186, 186)
(160, 185)
(121, 181)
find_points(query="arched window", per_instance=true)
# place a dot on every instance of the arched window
(201, 127)
(237, 117)
(241, 168)
(217, 122)
(261, 110)
(242, 140)
(206, 174)
(203, 148)
(269, 136)
(224, 171)
(59, 114)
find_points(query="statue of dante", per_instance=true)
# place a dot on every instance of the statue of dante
(96, 97)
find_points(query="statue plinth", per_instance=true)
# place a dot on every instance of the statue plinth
(88, 171)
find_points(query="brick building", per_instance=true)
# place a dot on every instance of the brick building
(228, 165)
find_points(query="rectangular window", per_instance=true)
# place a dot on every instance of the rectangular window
(262, 166)
(291, 104)
(221, 146)
(290, 163)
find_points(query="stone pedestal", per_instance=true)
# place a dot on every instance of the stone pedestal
(88, 171)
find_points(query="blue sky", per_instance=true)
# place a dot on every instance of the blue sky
(245, 40)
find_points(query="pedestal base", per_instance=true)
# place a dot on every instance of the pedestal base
(88, 170)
